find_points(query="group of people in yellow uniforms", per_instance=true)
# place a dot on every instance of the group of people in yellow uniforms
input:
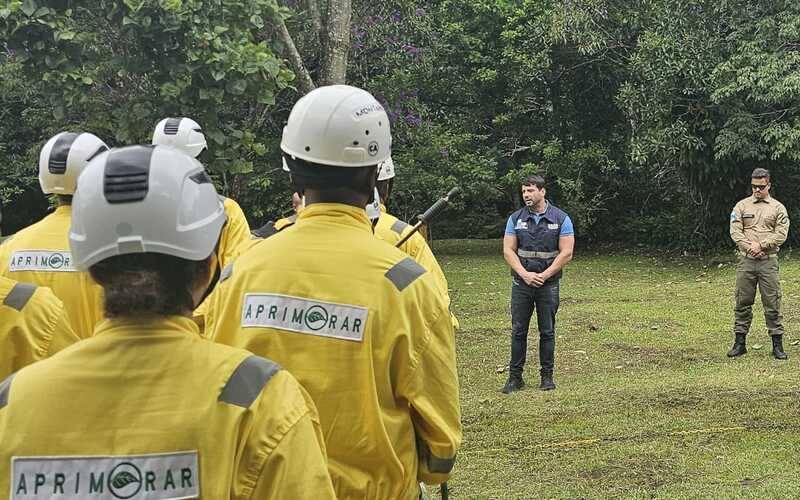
(151, 348)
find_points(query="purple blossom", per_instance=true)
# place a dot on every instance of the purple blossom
(419, 12)
(413, 120)
(395, 17)
(358, 32)
(445, 153)
(411, 50)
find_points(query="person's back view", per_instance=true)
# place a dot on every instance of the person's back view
(40, 253)
(33, 325)
(186, 135)
(391, 230)
(146, 408)
(359, 323)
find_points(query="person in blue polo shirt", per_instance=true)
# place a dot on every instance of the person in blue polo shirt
(537, 244)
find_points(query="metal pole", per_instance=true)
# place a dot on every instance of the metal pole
(429, 214)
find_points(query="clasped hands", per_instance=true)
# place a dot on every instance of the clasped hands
(533, 279)
(755, 250)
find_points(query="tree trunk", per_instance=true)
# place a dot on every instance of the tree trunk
(336, 43)
(316, 18)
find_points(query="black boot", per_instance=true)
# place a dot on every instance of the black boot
(777, 347)
(515, 383)
(738, 346)
(547, 381)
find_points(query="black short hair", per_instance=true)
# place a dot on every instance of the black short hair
(760, 173)
(141, 284)
(534, 180)
(308, 175)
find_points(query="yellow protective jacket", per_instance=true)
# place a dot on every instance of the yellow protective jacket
(33, 325)
(40, 254)
(391, 230)
(235, 235)
(365, 330)
(150, 408)
(234, 239)
(284, 222)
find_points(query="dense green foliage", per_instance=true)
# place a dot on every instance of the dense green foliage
(646, 116)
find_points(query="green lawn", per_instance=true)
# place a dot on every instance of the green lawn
(647, 404)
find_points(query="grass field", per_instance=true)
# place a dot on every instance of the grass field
(647, 404)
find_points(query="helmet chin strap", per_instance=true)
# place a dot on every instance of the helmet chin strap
(217, 270)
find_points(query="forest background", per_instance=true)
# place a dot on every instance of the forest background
(646, 116)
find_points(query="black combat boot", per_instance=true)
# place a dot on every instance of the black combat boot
(547, 380)
(777, 347)
(738, 346)
(515, 383)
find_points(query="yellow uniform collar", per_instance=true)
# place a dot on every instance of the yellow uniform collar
(334, 212)
(63, 211)
(152, 325)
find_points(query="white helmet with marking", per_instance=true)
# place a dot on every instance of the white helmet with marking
(340, 126)
(386, 169)
(64, 157)
(181, 133)
(144, 199)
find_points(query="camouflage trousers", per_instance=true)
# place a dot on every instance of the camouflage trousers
(761, 274)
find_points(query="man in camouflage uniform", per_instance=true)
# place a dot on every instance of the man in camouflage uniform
(759, 225)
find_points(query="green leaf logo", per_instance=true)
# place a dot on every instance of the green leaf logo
(125, 480)
(316, 317)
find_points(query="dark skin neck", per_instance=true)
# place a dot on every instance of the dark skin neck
(345, 196)
(357, 195)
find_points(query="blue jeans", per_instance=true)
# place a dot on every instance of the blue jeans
(524, 299)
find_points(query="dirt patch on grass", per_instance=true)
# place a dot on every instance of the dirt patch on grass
(644, 354)
(716, 396)
(642, 471)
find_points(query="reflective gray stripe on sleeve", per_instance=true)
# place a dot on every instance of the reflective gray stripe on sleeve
(247, 381)
(404, 273)
(399, 226)
(226, 272)
(5, 387)
(536, 255)
(19, 295)
(434, 463)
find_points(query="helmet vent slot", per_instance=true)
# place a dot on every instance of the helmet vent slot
(172, 125)
(127, 175)
(57, 163)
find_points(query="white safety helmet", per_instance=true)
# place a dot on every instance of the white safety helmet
(386, 169)
(374, 208)
(340, 126)
(64, 157)
(144, 199)
(182, 133)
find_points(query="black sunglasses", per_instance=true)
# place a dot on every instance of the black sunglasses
(759, 187)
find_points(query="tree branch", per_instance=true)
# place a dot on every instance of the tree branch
(304, 82)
